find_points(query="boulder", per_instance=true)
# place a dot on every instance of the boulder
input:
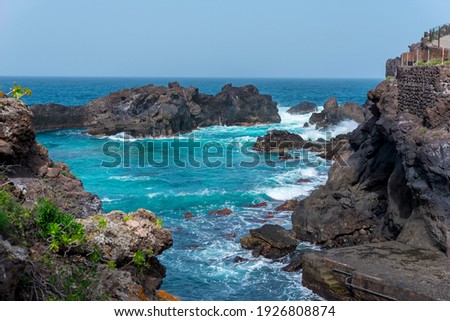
(289, 205)
(258, 205)
(270, 241)
(332, 114)
(303, 108)
(222, 212)
(119, 239)
(281, 140)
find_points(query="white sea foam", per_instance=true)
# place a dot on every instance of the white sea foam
(129, 178)
(119, 137)
(109, 200)
(344, 127)
(153, 195)
(284, 193)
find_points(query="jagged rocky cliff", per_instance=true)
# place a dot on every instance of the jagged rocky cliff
(111, 257)
(396, 185)
(161, 111)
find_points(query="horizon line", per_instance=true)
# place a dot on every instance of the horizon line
(194, 77)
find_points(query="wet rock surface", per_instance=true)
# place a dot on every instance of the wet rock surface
(303, 108)
(332, 114)
(270, 241)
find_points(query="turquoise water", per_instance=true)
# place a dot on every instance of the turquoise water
(200, 264)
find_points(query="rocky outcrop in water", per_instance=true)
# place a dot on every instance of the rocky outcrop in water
(270, 241)
(303, 108)
(161, 111)
(395, 186)
(281, 140)
(112, 256)
(332, 114)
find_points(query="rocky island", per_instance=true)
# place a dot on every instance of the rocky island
(155, 111)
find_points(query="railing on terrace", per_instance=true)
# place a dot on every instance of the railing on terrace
(435, 34)
(437, 52)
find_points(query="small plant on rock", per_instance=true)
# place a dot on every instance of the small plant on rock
(139, 259)
(60, 229)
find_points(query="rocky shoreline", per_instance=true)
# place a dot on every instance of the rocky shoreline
(55, 241)
(394, 186)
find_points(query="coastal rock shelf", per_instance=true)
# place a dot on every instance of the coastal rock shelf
(153, 111)
(385, 271)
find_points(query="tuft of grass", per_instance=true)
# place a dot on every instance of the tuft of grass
(102, 222)
(68, 174)
(159, 223)
(112, 265)
(423, 130)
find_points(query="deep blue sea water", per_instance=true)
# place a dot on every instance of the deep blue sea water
(200, 264)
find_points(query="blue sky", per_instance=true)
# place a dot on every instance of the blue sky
(210, 38)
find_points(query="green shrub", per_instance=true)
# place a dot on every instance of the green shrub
(112, 265)
(18, 91)
(60, 229)
(139, 258)
(13, 213)
(101, 221)
(4, 222)
(159, 223)
(435, 62)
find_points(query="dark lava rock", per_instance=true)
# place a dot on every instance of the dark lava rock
(281, 140)
(222, 212)
(394, 185)
(161, 111)
(188, 215)
(239, 259)
(289, 205)
(295, 263)
(332, 114)
(27, 165)
(306, 125)
(13, 262)
(55, 116)
(259, 205)
(304, 180)
(303, 108)
(270, 241)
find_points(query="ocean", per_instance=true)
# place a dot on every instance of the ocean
(200, 265)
